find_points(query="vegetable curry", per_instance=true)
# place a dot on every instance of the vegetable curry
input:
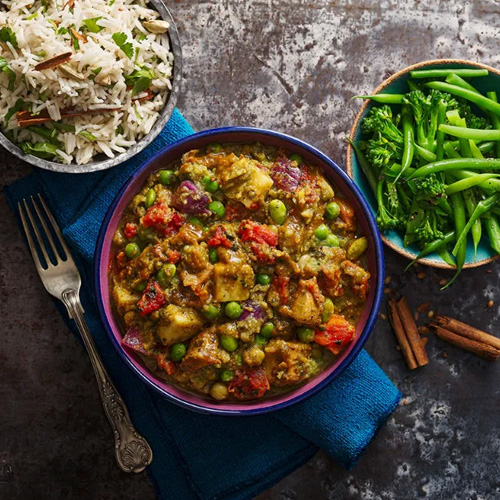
(238, 272)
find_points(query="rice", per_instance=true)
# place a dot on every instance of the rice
(99, 76)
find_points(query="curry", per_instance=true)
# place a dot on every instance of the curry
(239, 271)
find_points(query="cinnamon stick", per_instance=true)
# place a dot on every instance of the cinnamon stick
(465, 330)
(54, 61)
(26, 119)
(486, 351)
(399, 331)
(411, 331)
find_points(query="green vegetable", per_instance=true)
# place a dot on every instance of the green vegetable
(18, 106)
(167, 177)
(493, 230)
(218, 209)
(297, 158)
(87, 135)
(305, 334)
(214, 148)
(4, 66)
(408, 148)
(495, 119)
(230, 344)
(65, 127)
(433, 246)
(331, 241)
(150, 198)
(7, 35)
(441, 115)
(382, 98)
(260, 340)
(226, 375)
(437, 73)
(474, 223)
(213, 256)
(210, 185)
(263, 279)
(267, 330)
(74, 40)
(328, 309)
(50, 135)
(141, 286)
(456, 164)
(211, 311)
(165, 274)
(233, 310)
(96, 71)
(322, 232)
(177, 352)
(469, 182)
(140, 79)
(132, 250)
(120, 39)
(277, 211)
(332, 210)
(44, 150)
(91, 24)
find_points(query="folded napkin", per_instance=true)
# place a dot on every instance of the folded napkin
(200, 456)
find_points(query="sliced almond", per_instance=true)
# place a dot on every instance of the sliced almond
(156, 26)
(53, 62)
(68, 71)
(79, 36)
(103, 80)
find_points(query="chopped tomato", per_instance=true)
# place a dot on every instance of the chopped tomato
(235, 211)
(258, 233)
(347, 215)
(336, 335)
(329, 281)
(173, 256)
(281, 283)
(152, 298)
(121, 260)
(263, 253)
(163, 219)
(165, 364)
(174, 224)
(249, 383)
(220, 238)
(130, 230)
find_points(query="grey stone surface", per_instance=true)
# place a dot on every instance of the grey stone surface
(290, 66)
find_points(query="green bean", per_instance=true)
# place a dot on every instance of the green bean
(471, 133)
(459, 219)
(439, 134)
(454, 79)
(478, 99)
(382, 98)
(408, 149)
(495, 120)
(413, 86)
(455, 120)
(425, 154)
(433, 246)
(455, 164)
(489, 186)
(438, 73)
(487, 147)
(446, 256)
(468, 182)
(493, 230)
(450, 150)
(474, 224)
(366, 167)
(475, 151)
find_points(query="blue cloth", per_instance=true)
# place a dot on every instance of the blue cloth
(199, 456)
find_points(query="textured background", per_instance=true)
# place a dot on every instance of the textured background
(290, 66)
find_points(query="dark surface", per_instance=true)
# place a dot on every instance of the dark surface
(291, 66)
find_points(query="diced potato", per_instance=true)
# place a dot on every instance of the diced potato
(243, 181)
(232, 281)
(178, 324)
(306, 307)
(203, 351)
(125, 300)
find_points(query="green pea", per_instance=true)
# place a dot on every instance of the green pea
(331, 241)
(165, 274)
(210, 185)
(233, 310)
(260, 340)
(238, 359)
(328, 309)
(230, 344)
(177, 352)
(167, 177)
(267, 330)
(322, 232)
(195, 221)
(150, 198)
(213, 256)
(214, 147)
(217, 208)
(332, 210)
(132, 250)
(226, 375)
(305, 334)
(297, 158)
(277, 211)
(141, 286)
(211, 311)
(263, 279)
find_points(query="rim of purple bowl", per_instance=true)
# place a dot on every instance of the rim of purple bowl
(198, 403)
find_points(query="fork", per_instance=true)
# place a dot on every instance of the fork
(63, 281)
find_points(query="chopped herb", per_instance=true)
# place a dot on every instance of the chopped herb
(18, 106)
(91, 24)
(140, 79)
(4, 66)
(50, 135)
(44, 6)
(87, 135)
(62, 30)
(139, 35)
(119, 130)
(41, 149)
(96, 71)
(42, 54)
(7, 35)
(65, 127)
(43, 96)
(74, 40)
(33, 16)
(112, 2)
(121, 40)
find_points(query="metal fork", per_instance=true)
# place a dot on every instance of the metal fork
(63, 281)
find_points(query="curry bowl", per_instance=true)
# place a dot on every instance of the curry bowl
(397, 84)
(105, 252)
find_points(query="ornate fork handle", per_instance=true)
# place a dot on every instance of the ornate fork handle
(133, 452)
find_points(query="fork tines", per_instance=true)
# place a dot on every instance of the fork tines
(38, 230)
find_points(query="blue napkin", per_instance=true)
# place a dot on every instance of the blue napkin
(199, 456)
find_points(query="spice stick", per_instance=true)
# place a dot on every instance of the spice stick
(399, 331)
(466, 331)
(486, 351)
(54, 61)
(26, 119)
(411, 331)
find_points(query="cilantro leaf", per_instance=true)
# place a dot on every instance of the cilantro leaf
(4, 66)
(18, 106)
(41, 149)
(7, 35)
(87, 135)
(91, 24)
(141, 79)
(120, 39)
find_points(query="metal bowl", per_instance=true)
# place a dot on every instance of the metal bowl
(165, 114)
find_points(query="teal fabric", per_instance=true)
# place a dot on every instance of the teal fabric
(200, 456)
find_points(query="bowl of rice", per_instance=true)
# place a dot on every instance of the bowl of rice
(85, 85)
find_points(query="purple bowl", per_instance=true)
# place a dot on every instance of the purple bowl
(241, 135)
